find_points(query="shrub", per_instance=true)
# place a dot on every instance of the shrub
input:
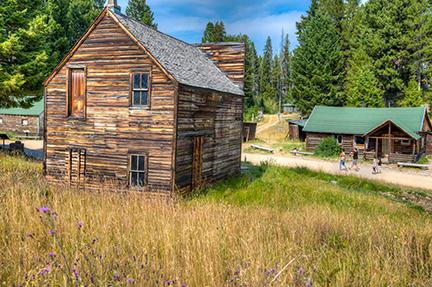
(423, 160)
(328, 147)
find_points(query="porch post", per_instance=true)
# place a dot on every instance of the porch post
(376, 147)
(389, 139)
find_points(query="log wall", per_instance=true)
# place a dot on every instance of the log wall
(13, 124)
(218, 118)
(229, 57)
(112, 129)
(314, 139)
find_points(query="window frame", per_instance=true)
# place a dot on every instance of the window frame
(69, 90)
(406, 142)
(145, 171)
(337, 139)
(148, 72)
(26, 121)
(1, 121)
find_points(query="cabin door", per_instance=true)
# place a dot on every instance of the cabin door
(197, 162)
(385, 147)
(76, 167)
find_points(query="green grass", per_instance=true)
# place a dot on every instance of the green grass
(284, 188)
(335, 231)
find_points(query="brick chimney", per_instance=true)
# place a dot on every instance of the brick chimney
(229, 57)
(112, 4)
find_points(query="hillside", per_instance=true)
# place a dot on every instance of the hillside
(271, 227)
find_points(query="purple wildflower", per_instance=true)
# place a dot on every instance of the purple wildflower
(43, 209)
(44, 271)
(183, 285)
(271, 271)
(309, 283)
(116, 277)
(75, 274)
(52, 232)
(168, 282)
(51, 254)
(80, 224)
(300, 271)
(29, 234)
(130, 280)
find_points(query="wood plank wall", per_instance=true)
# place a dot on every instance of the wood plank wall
(314, 139)
(112, 129)
(217, 117)
(229, 57)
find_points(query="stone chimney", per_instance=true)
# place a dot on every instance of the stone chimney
(112, 4)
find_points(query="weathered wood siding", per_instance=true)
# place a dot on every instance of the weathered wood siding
(314, 139)
(218, 118)
(13, 124)
(229, 57)
(112, 129)
(429, 144)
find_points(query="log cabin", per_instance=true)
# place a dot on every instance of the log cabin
(393, 134)
(23, 122)
(133, 106)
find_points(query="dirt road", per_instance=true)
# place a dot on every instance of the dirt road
(409, 178)
(270, 121)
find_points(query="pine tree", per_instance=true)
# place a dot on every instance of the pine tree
(214, 32)
(285, 56)
(24, 58)
(80, 16)
(317, 65)
(313, 9)
(140, 11)
(362, 86)
(208, 33)
(413, 96)
(267, 91)
(277, 82)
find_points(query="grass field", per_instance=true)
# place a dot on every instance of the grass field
(270, 227)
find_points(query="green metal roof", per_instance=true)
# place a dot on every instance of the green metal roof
(300, 123)
(360, 121)
(35, 110)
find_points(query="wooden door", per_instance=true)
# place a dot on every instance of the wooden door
(197, 162)
(76, 167)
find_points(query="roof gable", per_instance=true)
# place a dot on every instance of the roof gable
(360, 121)
(186, 63)
(182, 62)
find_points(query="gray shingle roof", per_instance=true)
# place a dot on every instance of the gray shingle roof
(186, 63)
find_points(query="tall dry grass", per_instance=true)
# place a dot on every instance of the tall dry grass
(108, 239)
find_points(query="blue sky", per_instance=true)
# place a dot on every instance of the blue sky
(186, 19)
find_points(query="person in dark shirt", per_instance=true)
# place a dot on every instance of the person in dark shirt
(355, 156)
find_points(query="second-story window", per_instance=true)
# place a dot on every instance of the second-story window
(76, 93)
(140, 94)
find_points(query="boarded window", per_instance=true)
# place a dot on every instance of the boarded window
(140, 89)
(138, 170)
(76, 95)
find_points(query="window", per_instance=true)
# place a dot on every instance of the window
(24, 122)
(76, 93)
(1, 121)
(405, 142)
(140, 89)
(137, 170)
(339, 139)
(359, 140)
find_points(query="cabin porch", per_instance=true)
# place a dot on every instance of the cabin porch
(392, 144)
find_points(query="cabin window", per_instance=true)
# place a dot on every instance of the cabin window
(140, 95)
(76, 93)
(1, 121)
(24, 122)
(137, 170)
(405, 142)
(359, 140)
(339, 139)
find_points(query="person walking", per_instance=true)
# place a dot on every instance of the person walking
(342, 160)
(355, 156)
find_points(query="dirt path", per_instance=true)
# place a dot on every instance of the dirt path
(272, 121)
(421, 180)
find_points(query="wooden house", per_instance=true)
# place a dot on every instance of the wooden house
(134, 106)
(295, 130)
(23, 122)
(394, 134)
